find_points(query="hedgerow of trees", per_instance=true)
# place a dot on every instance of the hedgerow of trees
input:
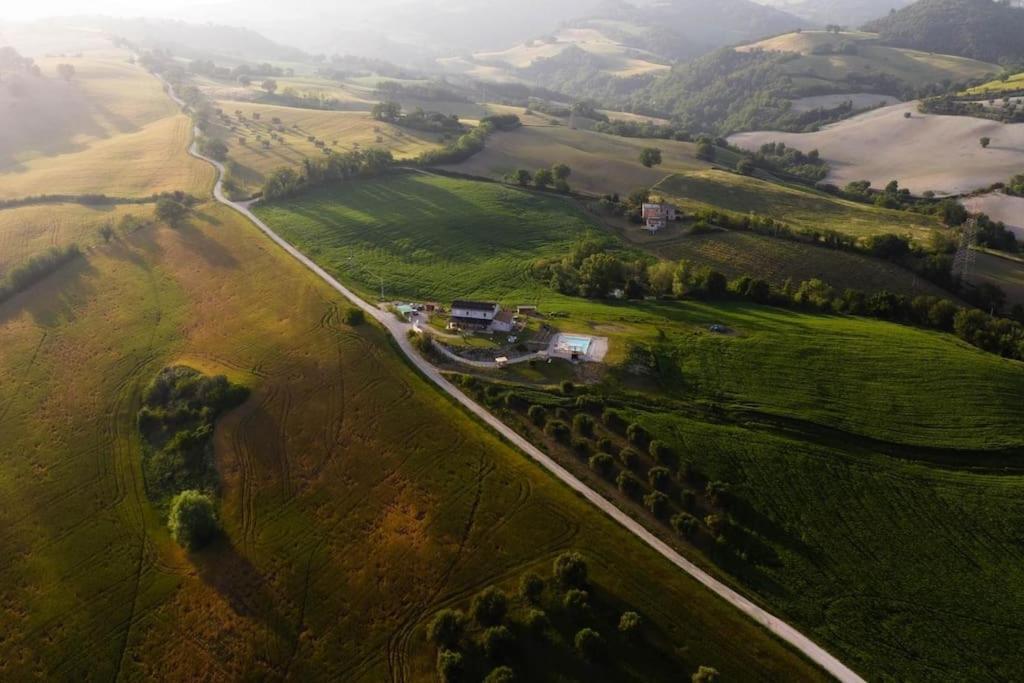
(179, 409)
(595, 269)
(36, 268)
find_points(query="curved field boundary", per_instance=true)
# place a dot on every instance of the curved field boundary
(399, 330)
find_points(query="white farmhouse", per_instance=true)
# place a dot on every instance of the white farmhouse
(474, 314)
(481, 315)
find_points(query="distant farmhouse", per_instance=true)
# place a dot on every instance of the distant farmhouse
(480, 315)
(657, 216)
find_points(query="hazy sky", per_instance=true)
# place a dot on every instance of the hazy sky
(192, 10)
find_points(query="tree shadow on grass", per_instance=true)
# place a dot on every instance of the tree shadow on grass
(222, 567)
(212, 251)
(54, 298)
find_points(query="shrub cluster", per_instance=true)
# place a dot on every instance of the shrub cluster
(25, 275)
(179, 409)
(335, 167)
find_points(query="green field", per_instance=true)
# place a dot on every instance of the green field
(430, 237)
(835, 532)
(434, 238)
(741, 253)
(795, 206)
(356, 500)
(859, 451)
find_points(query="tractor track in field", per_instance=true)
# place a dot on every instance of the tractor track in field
(398, 331)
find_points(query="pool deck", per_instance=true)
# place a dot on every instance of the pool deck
(596, 352)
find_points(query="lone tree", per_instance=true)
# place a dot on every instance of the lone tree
(387, 111)
(650, 156)
(985, 142)
(490, 606)
(170, 211)
(706, 151)
(502, 674)
(66, 71)
(215, 148)
(446, 628)
(630, 623)
(270, 85)
(570, 570)
(193, 519)
(589, 643)
(705, 674)
(449, 666)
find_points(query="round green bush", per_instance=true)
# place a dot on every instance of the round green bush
(589, 643)
(193, 519)
(630, 458)
(449, 666)
(502, 674)
(570, 570)
(537, 415)
(558, 430)
(498, 642)
(490, 606)
(583, 424)
(630, 623)
(446, 628)
(602, 463)
(531, 587)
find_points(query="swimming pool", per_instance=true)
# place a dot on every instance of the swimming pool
(575, 343)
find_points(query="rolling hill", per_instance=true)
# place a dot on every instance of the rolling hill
(602, 52)
(842, 12)
(980, 29)
(763, 84)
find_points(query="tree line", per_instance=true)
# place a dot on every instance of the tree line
(336, 167)
(36, 268)
(593, 270)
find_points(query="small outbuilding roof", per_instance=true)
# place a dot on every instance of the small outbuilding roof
(474, 305)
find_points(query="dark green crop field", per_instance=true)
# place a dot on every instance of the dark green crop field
(429, 237)
(442, 238)
(876, 466)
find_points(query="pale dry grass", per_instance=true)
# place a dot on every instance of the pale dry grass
(924, 152)
(138, 164)
(30, 230)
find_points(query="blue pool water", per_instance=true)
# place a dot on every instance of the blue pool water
(575, 344)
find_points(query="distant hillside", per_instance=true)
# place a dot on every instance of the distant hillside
(193, 40)
(620, 46)
(680, 29)
(846, 13)
(760, 86)
(981, 29)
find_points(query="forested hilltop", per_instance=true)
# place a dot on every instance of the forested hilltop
(981, 29)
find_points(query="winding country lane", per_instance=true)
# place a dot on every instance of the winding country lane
(399, 330)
